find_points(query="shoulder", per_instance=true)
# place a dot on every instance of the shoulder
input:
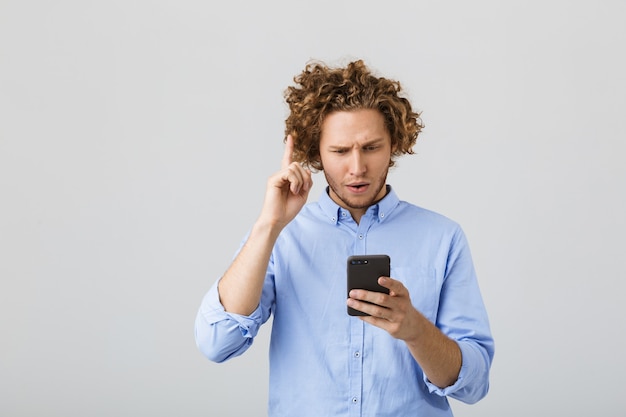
(407, 211)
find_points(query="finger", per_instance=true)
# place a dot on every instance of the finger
(395, 287)
(288, 155)
(298, 178)
(370, 298)
(307, 178)
(375, 311)
(295, 175)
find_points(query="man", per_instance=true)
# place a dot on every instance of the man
(427, 339)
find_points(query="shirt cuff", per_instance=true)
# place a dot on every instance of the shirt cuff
(213, 312)
(466, 375)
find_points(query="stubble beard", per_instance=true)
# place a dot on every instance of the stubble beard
(382, 181)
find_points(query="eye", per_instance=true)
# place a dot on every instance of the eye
(371, 147)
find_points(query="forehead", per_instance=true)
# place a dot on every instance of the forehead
(348, 127)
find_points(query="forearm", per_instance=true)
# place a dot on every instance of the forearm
(439, 356)
(241, 286)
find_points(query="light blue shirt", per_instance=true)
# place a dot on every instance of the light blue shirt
(324, 362)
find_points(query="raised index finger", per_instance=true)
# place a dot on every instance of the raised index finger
(288, 155)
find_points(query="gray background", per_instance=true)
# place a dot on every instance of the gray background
(136, 137)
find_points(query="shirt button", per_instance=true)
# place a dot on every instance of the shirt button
(355, 400)
(382, 215)
(360, 236)
(357, 354)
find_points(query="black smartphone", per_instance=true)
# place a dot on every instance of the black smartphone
(363, 273)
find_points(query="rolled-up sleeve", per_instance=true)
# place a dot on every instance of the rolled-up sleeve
(221, 335)
(473, 381)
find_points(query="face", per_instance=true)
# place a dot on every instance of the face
(355, 150)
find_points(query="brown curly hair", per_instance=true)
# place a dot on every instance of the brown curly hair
(321, 90)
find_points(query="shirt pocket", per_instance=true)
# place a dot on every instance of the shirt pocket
(423, 286)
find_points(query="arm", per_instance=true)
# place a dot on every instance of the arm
(455, 352)
(438, 355)
(287, 191)
(230, 314)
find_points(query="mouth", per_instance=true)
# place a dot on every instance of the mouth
(358, 187)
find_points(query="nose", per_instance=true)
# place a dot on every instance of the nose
(357, 164)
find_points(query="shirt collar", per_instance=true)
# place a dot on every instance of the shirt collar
(382, 209)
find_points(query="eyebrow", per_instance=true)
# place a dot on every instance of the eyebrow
(368, 143)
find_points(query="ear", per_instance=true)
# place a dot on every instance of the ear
(394, 148)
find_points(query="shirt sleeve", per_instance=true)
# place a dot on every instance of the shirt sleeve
(221, 335)
(463, 318)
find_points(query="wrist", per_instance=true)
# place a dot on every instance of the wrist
(267, 228)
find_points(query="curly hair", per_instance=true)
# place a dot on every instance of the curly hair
(321, 90)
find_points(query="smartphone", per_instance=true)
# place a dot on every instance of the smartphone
(363, 273)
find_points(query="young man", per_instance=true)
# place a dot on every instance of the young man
(427, 339)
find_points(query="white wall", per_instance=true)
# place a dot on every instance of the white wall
(136, 136)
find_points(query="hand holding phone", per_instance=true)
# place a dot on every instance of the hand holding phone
(363, 273)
